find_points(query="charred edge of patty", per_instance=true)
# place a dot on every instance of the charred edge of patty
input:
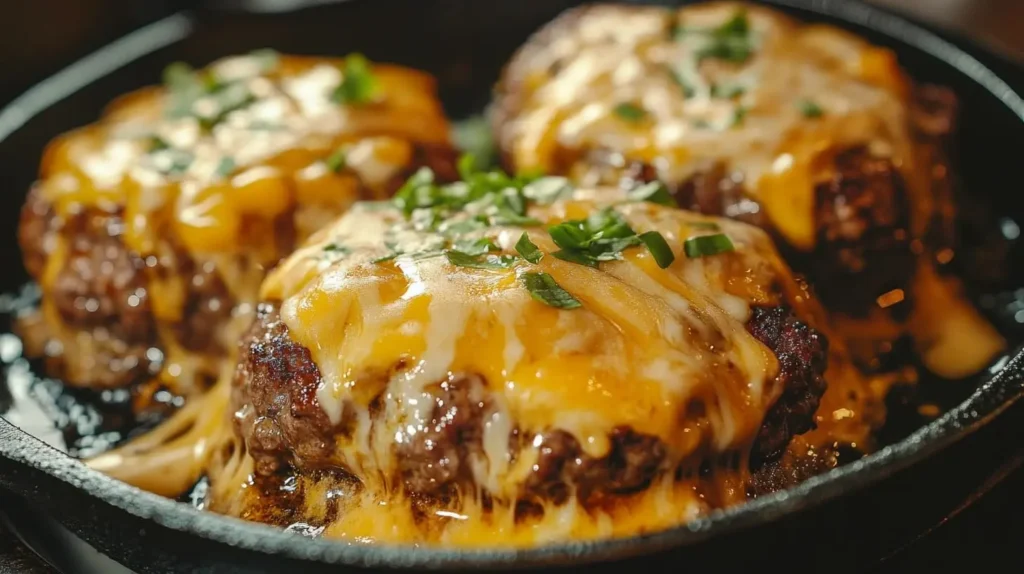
(103, 288)
(802, 354)
(284, 427)
(862, 218)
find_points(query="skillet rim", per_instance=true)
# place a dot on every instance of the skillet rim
(992, 396)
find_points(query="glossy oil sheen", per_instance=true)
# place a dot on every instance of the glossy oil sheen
(464, 43)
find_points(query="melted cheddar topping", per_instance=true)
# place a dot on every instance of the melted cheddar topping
(644, 344)
(226, 169)
(720, 83)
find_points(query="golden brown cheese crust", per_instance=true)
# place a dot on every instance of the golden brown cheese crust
(150, 230)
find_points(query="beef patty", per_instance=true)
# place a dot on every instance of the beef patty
(284, 426)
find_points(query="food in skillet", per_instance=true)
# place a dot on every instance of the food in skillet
(496, 362)
(805, 130)
(150, 231)
(513, 361)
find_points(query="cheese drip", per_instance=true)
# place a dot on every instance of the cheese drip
(770, 116)
(646, 342)
(233, 194)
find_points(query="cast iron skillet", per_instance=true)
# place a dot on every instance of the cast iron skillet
(464, 43)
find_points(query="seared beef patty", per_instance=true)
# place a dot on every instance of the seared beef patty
(862, 218)
(283, 425)
(102, 287)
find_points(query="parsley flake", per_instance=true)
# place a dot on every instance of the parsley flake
(358, 83)
(543, 288)
(706, 245)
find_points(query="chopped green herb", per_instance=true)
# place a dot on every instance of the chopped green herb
(543, 288)
(386, 258)
(731, 41)
(727, 92)
(462, 259)
(467, 166)
(416, 192)
(226, 166)
(528, 249)
(473, 135)
(630, 112)
(157, 143)
(705, 245)
(179, 75)
(653, 192)
(464, 226)
(425, 254)
(601, 237)
(810, 109)
(336, 248)
(173, 161)
(659, 248)
(476, 246)
(266, 58)
(358, 84)
(680, 79)
(577, 257)
(548, 189)
(222, 102)
(738, 115)
(336, 161)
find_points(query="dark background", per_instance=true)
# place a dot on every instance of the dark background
(976, 518)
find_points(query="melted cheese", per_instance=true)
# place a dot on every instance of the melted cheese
(567, 84)
(645, 344)
(236, 196)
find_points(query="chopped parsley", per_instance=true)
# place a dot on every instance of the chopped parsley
(630, 112)
(358, 83)
(226, 166)
(730, 42)
(546, 190)
(157, 143)
(706, 245)
(727, 92)
(336, 248)
(738, 115)
(200, 94)
(336, 161)
(528, 249)
(659, 248)
(266, 58)
(543, 288)
(498, 198)
(601, 237)
(653, 192)
(810, 109)
(681, 80)
(463, 259)
(476, 246)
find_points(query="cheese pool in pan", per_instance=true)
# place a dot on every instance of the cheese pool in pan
(499, 361)
(150, 231)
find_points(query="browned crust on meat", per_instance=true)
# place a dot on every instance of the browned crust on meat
(281, 421)
(103, 286)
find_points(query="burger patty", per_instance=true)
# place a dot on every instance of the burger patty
(102, 288)
(862, 219)
(283, 425)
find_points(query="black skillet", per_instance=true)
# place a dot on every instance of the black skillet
(67, 512)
